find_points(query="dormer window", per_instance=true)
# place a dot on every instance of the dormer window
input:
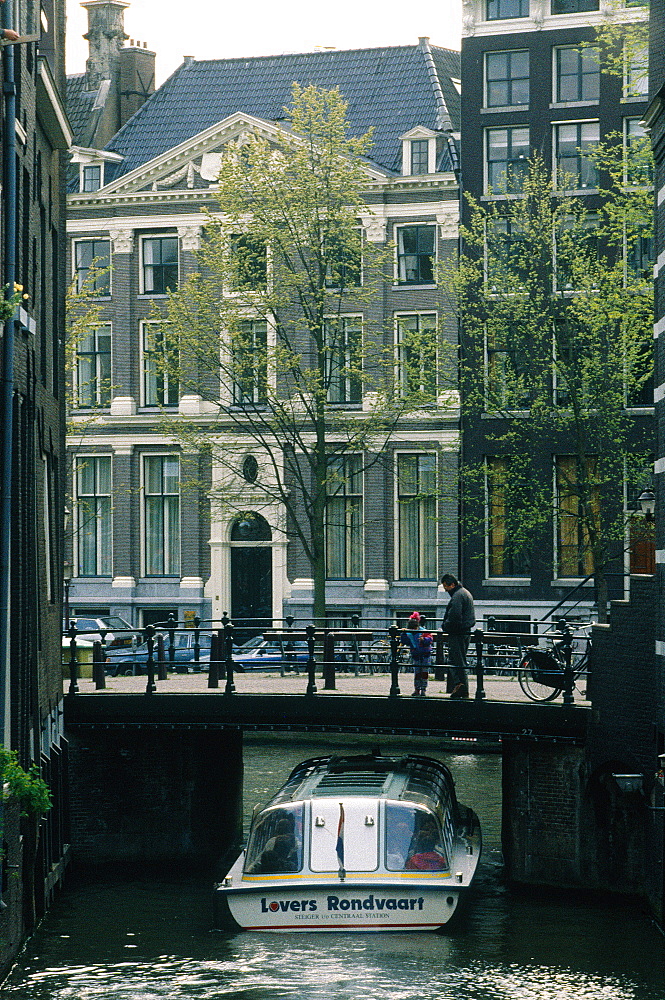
(91, 176)
(418, 152)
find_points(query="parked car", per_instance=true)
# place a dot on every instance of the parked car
(269, 654)
(118, 632)
(128, 661)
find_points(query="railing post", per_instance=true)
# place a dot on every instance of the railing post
(161, 661)
(480, 668)
(328, 662)
(310, 632)
(228, 648)
(73, 666)
(355, 623)
(440, 669)
(180, 668)
(197, 645)
(149, 633)
(289, 652)
(215, 655)
(102, 633)
(98, 666)
(394, 665)
(568, 676)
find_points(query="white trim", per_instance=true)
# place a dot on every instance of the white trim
(660, 647)
(660, 556)
(659, 393)
(659, 327)
(659, 466)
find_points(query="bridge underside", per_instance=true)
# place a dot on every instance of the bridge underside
(482, 720)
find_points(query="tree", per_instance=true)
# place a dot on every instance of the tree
(267, 332)
(556, 318)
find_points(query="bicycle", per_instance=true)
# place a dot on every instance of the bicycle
(541, 671)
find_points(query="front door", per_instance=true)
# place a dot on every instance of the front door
(251, 590)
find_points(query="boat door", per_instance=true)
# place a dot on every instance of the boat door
(359, 834)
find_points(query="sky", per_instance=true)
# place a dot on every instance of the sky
(212, 29)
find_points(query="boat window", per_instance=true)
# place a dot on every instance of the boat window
(413, 840)
(275, 843)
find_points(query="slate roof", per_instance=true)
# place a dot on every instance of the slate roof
(79, 107)
(389, 89)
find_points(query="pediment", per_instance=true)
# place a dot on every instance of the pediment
(194, 164)
(419, 132)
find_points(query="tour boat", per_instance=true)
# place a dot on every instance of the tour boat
(363, 843)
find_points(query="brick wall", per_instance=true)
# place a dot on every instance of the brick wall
(147, 796)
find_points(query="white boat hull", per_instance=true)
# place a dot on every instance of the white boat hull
(339, 907)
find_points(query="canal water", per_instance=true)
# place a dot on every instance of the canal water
(150, 938)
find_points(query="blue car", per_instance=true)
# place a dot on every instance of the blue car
(129, 661)
(268, 654)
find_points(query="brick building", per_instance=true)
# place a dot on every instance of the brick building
(533, 85)
(139, 205)
(35, 140)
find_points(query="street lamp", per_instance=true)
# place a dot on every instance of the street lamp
(67, 573)
(647, 502)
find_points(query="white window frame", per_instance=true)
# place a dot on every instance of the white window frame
(75, 269)
(577, 101)
(418, 134)
(144, 456)
(422, 539)
(359, 324)
(348, 535)
(144, 327)
(415, 224)
(509, 161)
(555, 153)
(399, 360)
(97, 404)
(503, 107)
(79, 460)
(143, 238)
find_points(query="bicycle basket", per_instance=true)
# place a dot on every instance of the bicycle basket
(545, 668)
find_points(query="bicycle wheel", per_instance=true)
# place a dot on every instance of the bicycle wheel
(378, 656)
(531, 687)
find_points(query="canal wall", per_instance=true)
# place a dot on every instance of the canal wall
(144, 796)
(567, 821)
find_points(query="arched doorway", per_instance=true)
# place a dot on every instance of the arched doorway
(251, 576)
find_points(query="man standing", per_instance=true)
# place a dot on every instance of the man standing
(458, 621)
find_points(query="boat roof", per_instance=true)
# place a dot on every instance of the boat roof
(410, 777)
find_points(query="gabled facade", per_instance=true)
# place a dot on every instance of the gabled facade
(531, 86)
(152, 548)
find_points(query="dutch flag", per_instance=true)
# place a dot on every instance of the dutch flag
(340, 837)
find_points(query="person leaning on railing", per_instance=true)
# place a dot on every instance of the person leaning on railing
(458, 622)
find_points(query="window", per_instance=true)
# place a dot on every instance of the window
(250, 363)
(575, 241)
(92, 263)
(506, 386)
(573, 494)
(93, 368)
(416, 513)
(91, 177)
(636, 73)
(573, 144)
(416, 353)
(343, 337)
(344, 537)
(93, 515)
(344, 260)
(499, 9)
(573, 6)
(637, 150)
(502, 560)
(250, 264)
(420, 156)
(577, 75)
(416, 254)
(640, 255)
(507, 159)
(162, 514)
(505, 251)
(159, 386)
(160, 264)
(507, 79)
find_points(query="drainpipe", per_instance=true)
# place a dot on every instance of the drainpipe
(7, 375)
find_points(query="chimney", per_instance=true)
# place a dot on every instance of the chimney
(137, 79)
(105, 37)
